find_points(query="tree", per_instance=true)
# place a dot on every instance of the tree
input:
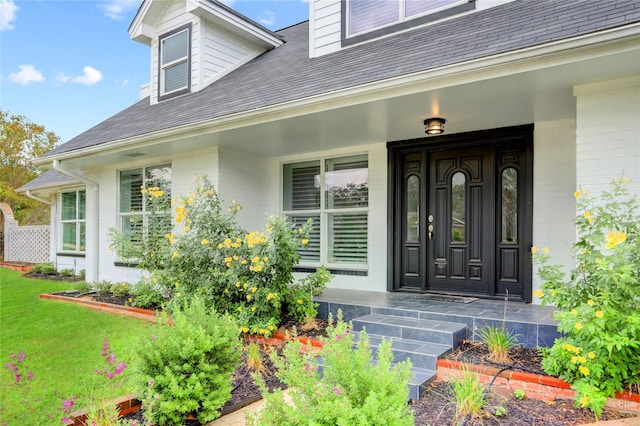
(21, 141)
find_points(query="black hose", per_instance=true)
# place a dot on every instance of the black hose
(242, 380)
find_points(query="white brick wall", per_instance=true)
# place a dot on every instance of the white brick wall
(608, 133)
(554, 177)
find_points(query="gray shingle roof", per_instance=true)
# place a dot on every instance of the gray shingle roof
(48, 179)
(287, 73)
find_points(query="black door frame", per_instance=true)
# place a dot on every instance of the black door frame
(503, 137)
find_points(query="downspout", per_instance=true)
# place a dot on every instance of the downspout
(92, 231)
(33, 197)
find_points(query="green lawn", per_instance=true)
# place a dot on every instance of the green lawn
(62, 343)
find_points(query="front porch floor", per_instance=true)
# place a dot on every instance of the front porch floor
(533, 323)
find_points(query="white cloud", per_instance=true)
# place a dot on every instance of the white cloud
(7, 14)
(27, 75)
(268, 18)
(90, 76)
(116, 9)
(61, 78)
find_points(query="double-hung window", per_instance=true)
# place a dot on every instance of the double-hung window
(334, 193)
(375, 17)
(175, 62)
(139, 215)
(73, 218)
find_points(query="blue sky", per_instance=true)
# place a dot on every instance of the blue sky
(69, 65)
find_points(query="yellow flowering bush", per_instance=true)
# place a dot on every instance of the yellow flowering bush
(246, 274)
(599, 303)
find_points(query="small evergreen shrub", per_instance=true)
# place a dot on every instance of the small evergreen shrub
(46, 268)
(121, 289)
(148, 294)
(67, 272)
(599, 303)
(350, 390)
(82, 286)
(186, 365)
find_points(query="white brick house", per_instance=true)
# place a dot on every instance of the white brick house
(539, 98)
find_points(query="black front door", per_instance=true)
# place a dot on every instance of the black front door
(462, 214)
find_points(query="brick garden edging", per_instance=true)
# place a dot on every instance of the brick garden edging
(538, 386)
(145, 314)
(17, 266)
(126, 404)
(278, 338)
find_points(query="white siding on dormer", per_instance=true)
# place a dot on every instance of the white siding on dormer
(324, 27)
(223, 52)
(172, 17)
(325, 24)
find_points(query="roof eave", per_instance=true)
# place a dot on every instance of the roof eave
(614, 40)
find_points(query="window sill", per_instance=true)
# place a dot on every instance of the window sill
(125, 264)
(334, 271)
(70, 254)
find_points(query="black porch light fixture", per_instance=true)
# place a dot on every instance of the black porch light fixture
(434, 126)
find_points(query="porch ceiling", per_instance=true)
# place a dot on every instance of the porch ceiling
(482, 102)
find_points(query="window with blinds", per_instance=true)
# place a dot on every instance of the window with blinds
(368, 15)
(334, 194)
(137, 217)
(73, 221)
(175, 61)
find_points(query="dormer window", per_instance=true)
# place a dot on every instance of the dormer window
(367, 19)
(175, 63)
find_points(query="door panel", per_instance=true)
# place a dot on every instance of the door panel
(460, 244)
(413, 201)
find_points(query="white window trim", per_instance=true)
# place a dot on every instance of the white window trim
(77, 221)
(401, 16)
(325, 212)
(162, 67)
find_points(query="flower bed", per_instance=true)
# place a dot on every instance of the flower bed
(126, 404)
(545, 388)
(131, 311)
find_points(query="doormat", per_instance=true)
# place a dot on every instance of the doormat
(447, 298)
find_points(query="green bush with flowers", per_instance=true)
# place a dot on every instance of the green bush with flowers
(246, 274)
(599, 303)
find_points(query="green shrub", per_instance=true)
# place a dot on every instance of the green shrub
(67, 272)
(82, 274)
(82, 286)
(47, 268)
(148, 294)
(185, 366)
(121, 289)
(349, 391)
(103, 286)
(599, 303)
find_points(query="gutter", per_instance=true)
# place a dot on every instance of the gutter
(526, 59)
(33, 197)
(92, 230)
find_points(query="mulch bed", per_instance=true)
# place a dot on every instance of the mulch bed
(437, 405)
